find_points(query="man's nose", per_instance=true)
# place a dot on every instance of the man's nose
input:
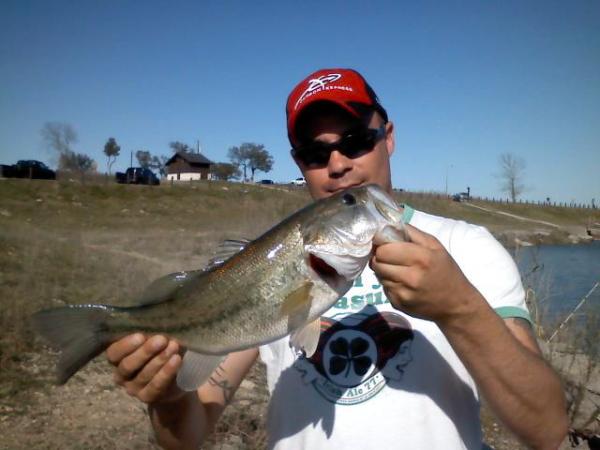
(338, 164)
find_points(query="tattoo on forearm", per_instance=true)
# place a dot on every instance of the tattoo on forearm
(218, 379)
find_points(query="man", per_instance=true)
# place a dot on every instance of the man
(401, 354)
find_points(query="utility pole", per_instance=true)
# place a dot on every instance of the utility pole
(447, 165)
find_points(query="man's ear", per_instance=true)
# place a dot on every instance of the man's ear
(389, 138)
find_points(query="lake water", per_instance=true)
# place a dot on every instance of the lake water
(562, 275)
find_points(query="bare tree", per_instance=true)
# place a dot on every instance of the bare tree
(59, 137)
(512, 169)
(159, 163)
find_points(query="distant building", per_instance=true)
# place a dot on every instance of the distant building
(188, 166)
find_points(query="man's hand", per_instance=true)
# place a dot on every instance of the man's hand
(421, 278)
(146, 367)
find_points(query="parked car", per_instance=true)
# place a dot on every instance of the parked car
(265, 182)
(137, 175)
(298, 181)
(461, 197)
(7, 170)
(28, 168)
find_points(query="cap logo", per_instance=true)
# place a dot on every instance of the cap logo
(319, 84)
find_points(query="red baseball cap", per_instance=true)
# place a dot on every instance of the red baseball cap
(343, 87)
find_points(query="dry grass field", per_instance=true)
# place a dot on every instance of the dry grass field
(66, 242)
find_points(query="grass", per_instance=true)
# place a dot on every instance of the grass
(65, 243)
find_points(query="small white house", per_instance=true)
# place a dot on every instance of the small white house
(188, 166)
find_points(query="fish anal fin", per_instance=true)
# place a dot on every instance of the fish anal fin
(196, 369)
(296, 305)
(306, 339)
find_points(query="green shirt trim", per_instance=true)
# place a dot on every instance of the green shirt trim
(508, 312)
(407, 213)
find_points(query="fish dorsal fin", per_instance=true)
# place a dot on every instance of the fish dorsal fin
(297, 305)
(226, 250)
(196, 369)
(306, 339)
(164, 288)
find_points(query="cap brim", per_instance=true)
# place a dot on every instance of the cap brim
(313, 106)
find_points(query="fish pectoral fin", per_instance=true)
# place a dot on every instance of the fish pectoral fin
(197, 369)
(164, 288)
(307, 338)
(296, 305)
(226, 250)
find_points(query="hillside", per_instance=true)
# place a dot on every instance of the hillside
(64, 242)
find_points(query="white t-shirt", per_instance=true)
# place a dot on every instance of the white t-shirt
(381, 379)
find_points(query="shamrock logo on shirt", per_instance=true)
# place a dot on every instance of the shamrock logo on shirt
(348, 356)
(354, 349)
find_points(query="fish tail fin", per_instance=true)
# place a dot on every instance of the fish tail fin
(80, 332)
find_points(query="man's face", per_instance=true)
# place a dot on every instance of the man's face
(341, 171)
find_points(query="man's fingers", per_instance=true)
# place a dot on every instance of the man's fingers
(400, 253)
(393, 273)
(421, 238)
(131, 364)
(124, 347)
(162, 381)
(155, 364)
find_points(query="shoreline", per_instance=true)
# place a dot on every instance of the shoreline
(512, 238)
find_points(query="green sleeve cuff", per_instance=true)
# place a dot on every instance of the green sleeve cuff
(507, 312)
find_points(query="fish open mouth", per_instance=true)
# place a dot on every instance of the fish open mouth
(324, 270)
(321, 267)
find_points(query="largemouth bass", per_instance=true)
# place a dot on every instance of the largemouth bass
(276, 285)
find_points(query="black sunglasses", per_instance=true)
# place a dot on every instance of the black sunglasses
(355, 143)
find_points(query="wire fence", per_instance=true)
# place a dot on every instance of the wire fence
(499, 200)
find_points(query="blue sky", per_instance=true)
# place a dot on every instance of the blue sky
(462, 81)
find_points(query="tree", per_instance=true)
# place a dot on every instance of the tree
(158, 163)
(144, 158)
(511, 175)
(59, 137)
(239, 157)
(147, 161)
(250, 155)
(111, 150)
(180, 147)
(76, 162)
(259, 159)
(225, 171)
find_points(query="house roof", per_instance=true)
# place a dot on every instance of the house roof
(193, 158)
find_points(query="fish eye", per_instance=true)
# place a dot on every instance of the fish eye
(349, 199)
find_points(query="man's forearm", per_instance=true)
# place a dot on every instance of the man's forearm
(519, 385)
(180, 424)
